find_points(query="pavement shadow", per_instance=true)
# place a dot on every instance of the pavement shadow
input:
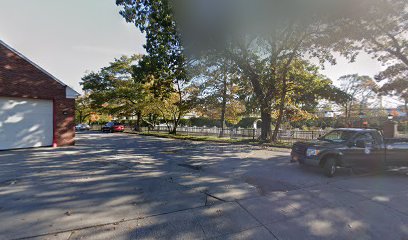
(113, 186)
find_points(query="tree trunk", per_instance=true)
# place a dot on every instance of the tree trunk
(80, 117)
(348, 115)
(224, 105)
(346, 120)
(139, 118)
(177, 116)
(266, 117)
(175, 125)
(278, 122)
(281, 111)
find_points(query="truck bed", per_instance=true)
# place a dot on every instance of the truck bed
(395, 140)
(396, 151)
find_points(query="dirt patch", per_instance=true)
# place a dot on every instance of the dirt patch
(170, 152)
(194, 167)
(266, 185)
(9, 182)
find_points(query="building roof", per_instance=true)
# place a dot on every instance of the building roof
(70, 91)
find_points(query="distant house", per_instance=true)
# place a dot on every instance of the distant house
(36, 109)
(190, 115)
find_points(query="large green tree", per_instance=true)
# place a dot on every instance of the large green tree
(165, 63)
(382, 31)
(114, 90)
(360, 89)
(216, 83)
(83, 109)
(262, 39)
(298, 98)
(271, 36)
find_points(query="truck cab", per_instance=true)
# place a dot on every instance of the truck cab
(349, 147)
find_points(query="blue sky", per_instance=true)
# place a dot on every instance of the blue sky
(70, 37)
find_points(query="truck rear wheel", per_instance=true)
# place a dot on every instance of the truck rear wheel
(330, 167)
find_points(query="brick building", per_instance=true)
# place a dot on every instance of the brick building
(36, 109)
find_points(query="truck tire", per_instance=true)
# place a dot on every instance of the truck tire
(330, 167)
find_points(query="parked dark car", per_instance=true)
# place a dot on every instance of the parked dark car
(352, 148)
(113, 127)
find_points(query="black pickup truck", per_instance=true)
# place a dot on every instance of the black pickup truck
(351, 148)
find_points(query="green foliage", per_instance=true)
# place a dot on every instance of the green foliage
(164, 65)
(381, 30)
(113, 90)
(217, 90)
(360, 89)
(83, 109)
(306, 88)
(165, 59)
(266, 50)
(261, 68)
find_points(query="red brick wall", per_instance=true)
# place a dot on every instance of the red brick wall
(19, 78)
(65, 124)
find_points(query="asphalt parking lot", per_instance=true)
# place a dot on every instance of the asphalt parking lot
(118, 186)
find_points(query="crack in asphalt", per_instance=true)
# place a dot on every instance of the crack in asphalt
(207, 194)
(107, 224)
(256, 219)
(194, 167)
(134, 219)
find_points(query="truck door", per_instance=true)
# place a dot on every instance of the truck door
(352, 154)
(366, 151)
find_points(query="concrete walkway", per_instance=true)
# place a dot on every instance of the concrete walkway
(117, 186)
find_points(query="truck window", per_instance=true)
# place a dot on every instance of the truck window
(338, 136)
(366, 137)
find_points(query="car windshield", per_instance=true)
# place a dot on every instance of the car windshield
(338, 136)
(110, 124)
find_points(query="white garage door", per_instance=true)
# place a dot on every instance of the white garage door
(25, 123)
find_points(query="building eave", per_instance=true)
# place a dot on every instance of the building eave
(39, 68)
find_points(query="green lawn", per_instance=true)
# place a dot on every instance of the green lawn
(215, 139)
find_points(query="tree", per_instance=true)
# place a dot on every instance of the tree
(217, 92)
(382, 30)
(115, 91)
(83, 109)
(165, 63)
(261, 40)
(397, 87)
(360, 89)
(265, 45)
(305, 88)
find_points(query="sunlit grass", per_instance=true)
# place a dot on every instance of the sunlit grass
(216, 139)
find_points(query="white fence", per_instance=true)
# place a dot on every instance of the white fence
(289, 136)
(242, 133)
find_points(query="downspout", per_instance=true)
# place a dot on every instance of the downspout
(54, 120)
